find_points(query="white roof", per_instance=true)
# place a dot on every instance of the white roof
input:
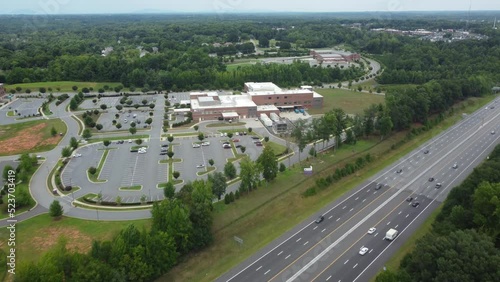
(225, 101)
(266, 108)
(262, 86)
(230, 115)
(317, 95)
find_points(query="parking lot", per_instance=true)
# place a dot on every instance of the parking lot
(125, 119)
(140, 98)
(25, 107)
(111, 102)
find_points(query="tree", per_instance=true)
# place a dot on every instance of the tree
(312, 152)
(118, 125)
(176, 174)
(99, 126)
(243, 149)
(385, 126)
(170, 154)
(196, 128)
(73, 143)
(172, 217)
(53, 131)
(92, 170)
(66, 152)
(149, 121)
(74, 87)
(136, 106)
(250, 174)
(201, 136)
(219, 184)
(43, 90)
(106, 143)
(170, 138)
(101, 90)
(138, 141)
(266, 139)
(487, 206)
(211, 162)
(85, 90)
(132, 130)
(104, 107)
(6, 170)
(282, 167)
(87, 134)
(230, 135)
(133, 124)
(250, 130)
(144, 102)
(28, 91)
(119, 107)
(55, 210)
(298, 133)
(230, 170)
(169, 190)
(269, 164)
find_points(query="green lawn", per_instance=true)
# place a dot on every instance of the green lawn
(37, 235)
(131, 188)
(277, 148)
(207, 171)
(11, 114)
(30, 137)
(66, 86)
(351, 102)
(94, 177)
(225, 124)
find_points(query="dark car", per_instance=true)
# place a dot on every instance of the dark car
(426, 152)
(415, 204)
(259, 144)
(399, 171)
(320, 219)
(164, 145)
(438, 185)
(409, 199)
(378, 187)
(255, 138)
(163, 153)
(431, 179)
(164, 150)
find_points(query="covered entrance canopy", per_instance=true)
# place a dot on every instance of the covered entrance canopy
(230, 115)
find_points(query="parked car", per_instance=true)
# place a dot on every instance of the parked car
(164, 146)
(196, 145)
(206, 143)
(236, 140)
(200, 166)
(163, 153)
(258, 144)
(426, 152)
(226, 146)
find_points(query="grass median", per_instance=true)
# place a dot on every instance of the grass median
(94, 177)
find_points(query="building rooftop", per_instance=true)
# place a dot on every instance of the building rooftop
(267, 108)
(262, 86)
(225, 101)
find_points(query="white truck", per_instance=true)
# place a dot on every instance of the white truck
(391, 234)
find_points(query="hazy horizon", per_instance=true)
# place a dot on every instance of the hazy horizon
(239, 6)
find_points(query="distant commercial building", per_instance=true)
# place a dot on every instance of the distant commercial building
(334, 56)
(2, 90)
(258, 98)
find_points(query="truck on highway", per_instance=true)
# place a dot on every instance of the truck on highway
(391, 234)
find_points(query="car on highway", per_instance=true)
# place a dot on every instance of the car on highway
(409, 199)
(438, 185)
(455, 166)
(426, 152)
(196, 145)
(399, 170)
(431, 179)
(372, 230)
(493, 132)
(378, 187)
(363, 250)
(320, 219)
(415, 204)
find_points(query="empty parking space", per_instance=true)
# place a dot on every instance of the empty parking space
(89, 104)
(138, 117)
(24, 107)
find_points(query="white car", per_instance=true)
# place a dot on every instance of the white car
(372, 230)
(205, 143)
(142, 152)
(130, 140)
(77, 155)
(196, 145)
(363, 250)
(200, 166)
(222, 135)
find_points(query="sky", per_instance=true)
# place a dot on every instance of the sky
(232, 6)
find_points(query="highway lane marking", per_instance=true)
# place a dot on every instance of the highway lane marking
(388, 223)
(267, 272)
(328, 278)
(355, 266)
(258, 268)
(344, 207)
(407, 215)
(323, 230)
(357, 198)
(306, 243)
(315, 227)
(351, 210)
(350, 247)
(330, 217)
(280, 253)
(346, 261)
(287, 256)
(298, 240)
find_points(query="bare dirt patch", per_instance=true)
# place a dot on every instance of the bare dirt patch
(76, 241)
(26, 140)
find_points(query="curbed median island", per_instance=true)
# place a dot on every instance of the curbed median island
(131, 188)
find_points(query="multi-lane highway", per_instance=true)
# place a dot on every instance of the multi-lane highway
(329, 250)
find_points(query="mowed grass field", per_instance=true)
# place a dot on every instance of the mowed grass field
(66, 86)
(30, 137)
(350, 101)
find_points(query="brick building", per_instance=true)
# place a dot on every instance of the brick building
(334, 56)
(257, 99)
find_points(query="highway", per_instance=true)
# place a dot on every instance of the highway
(329, 250)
